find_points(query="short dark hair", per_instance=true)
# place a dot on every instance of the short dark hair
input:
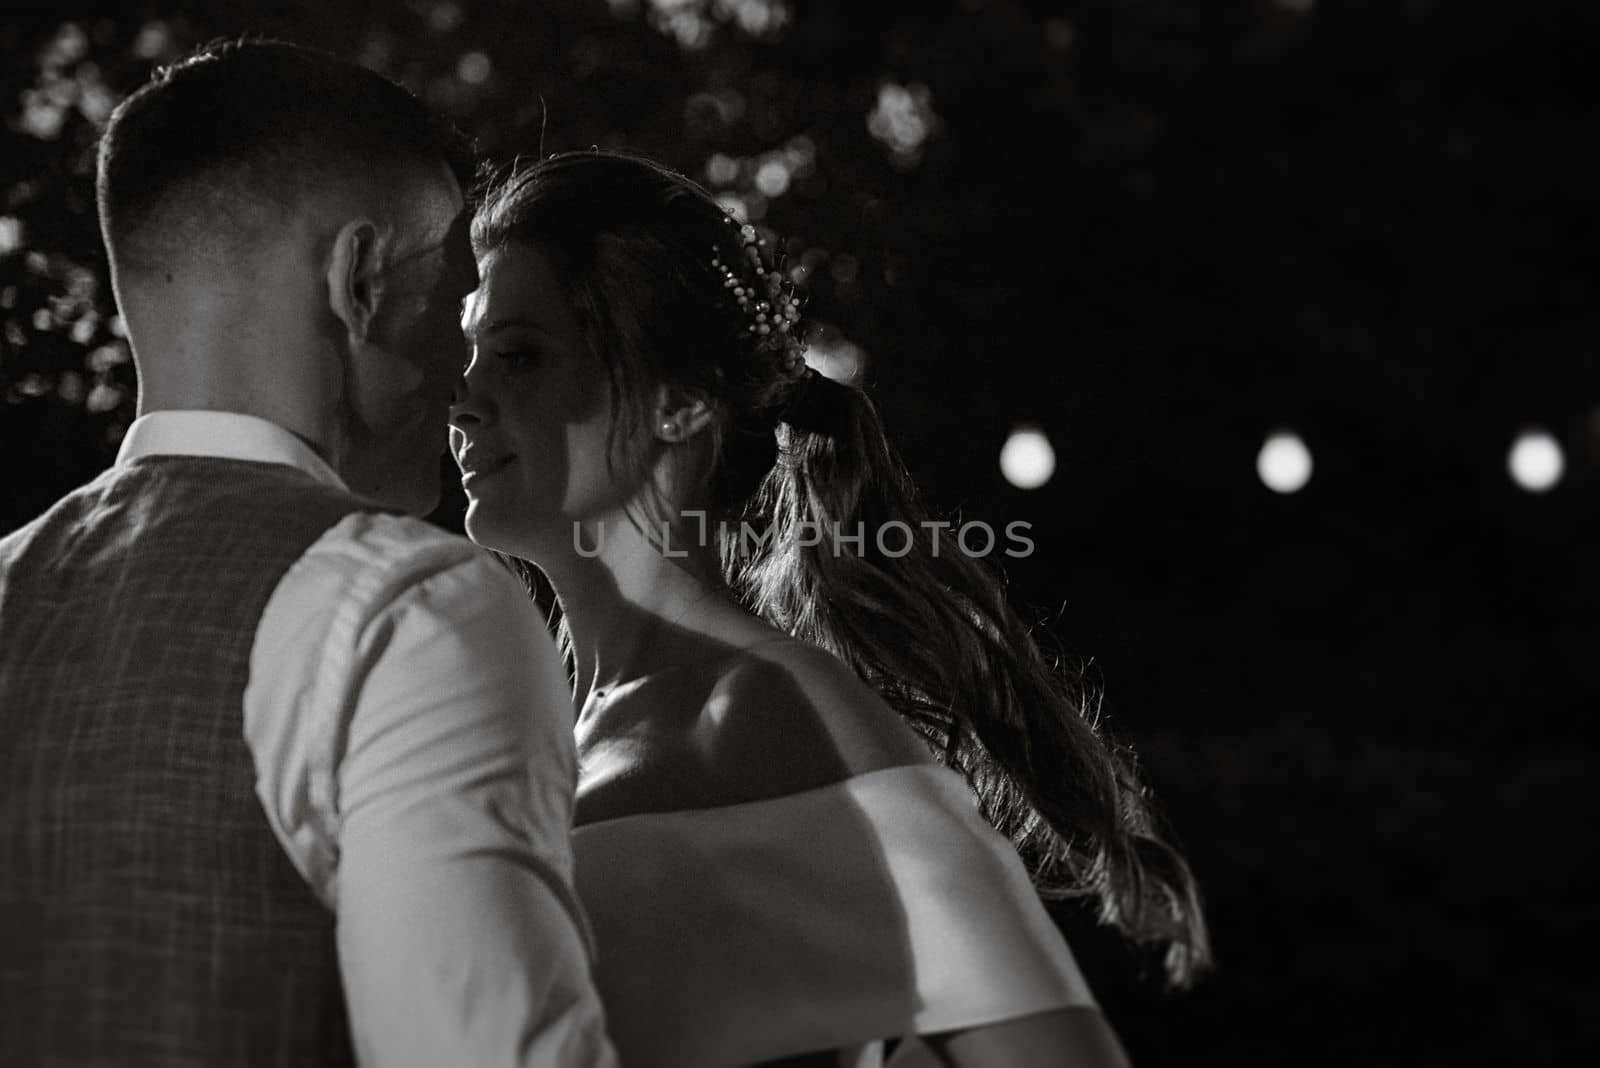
(227, 139)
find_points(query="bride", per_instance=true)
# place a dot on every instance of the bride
(825, 773)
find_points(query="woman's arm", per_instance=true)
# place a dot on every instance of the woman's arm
(1076, 1037)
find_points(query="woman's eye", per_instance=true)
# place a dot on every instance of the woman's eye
(519, 357)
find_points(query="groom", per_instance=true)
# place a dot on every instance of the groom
(285, 774)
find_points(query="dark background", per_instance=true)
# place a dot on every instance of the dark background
(1159, 229)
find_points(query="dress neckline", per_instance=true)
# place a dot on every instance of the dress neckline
(932, 772)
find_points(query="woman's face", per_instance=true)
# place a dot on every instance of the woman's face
(531, 428)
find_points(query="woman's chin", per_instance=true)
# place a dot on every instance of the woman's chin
(511, 535)
(483, 527)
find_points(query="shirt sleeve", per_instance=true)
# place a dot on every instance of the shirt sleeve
(439, 771)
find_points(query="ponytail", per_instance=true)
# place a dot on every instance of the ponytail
(932, 632)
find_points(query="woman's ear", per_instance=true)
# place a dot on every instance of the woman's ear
(355, 277)
(680, 415)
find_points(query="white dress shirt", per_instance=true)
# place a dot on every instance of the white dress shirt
(411, 728)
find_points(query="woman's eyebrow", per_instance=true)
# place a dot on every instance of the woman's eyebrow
(507, 324)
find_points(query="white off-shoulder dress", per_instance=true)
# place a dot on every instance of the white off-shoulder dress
(878, 908)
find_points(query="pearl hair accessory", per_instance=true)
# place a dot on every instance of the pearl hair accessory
(768, 303)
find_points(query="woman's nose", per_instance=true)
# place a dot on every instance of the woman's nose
(466, 407)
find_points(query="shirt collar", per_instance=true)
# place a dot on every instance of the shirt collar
(224, 435)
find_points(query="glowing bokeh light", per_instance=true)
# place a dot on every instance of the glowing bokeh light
(1284, 462)
(1026, 459)
(1536, 461)
(10, 234)
(722, 169)
(772, 178)
(474, 68)
(903, 119)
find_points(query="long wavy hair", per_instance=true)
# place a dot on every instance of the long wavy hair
(790, 454)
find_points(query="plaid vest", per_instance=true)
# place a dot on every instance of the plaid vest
(148, 916)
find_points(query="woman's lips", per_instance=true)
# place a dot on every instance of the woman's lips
(475, 469)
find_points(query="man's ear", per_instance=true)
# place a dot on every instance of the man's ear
(355, 276)
(680, 415)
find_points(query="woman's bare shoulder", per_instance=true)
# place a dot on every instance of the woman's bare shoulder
(792, 698)
(764, 720)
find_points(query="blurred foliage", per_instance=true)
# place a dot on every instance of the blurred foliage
(729, 92)
(1158, 229)
(1360, 219)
